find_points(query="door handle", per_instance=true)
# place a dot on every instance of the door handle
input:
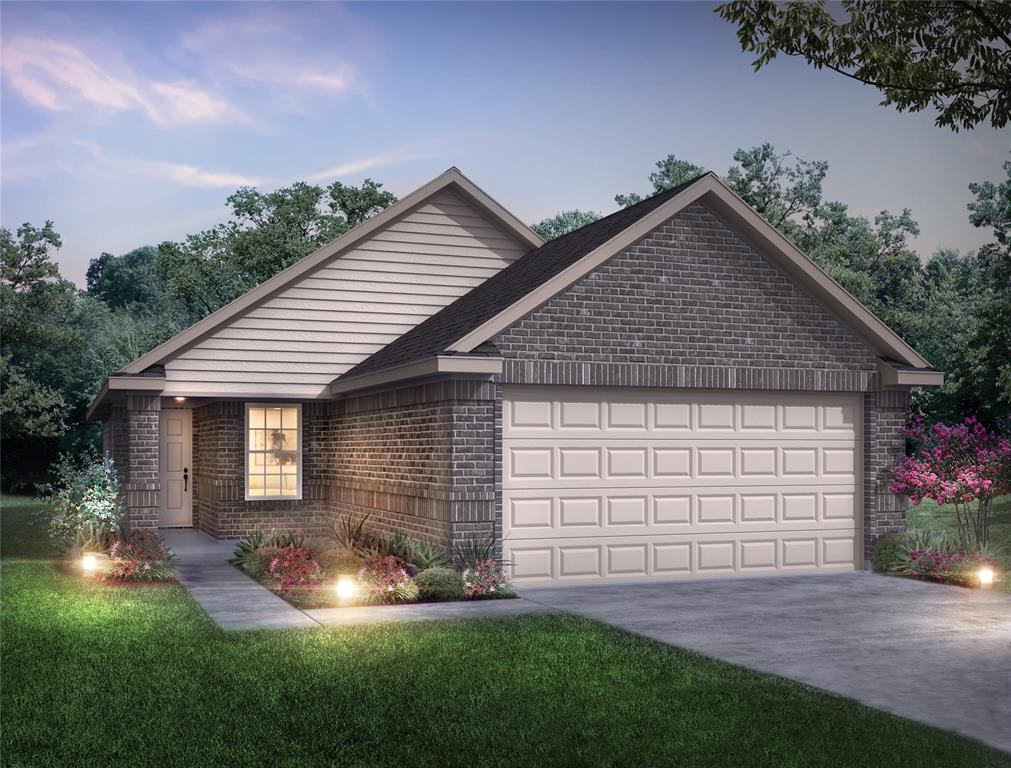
(186, 478)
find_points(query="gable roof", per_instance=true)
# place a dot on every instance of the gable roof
(501, 291)
(490, 308)
(452, 178)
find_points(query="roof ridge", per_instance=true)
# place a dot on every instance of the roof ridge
(669, 192)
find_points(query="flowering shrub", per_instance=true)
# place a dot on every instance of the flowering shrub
(966, 465)
(486, 579)
(86, 502)
(384, 580)
(141, 556)
(293, 567)
(946, 567)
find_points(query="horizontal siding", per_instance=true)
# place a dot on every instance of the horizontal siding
(298, 341)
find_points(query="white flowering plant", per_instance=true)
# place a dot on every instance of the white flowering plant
(486, 580)
(86, 502)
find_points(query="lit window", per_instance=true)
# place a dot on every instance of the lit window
(273, 452)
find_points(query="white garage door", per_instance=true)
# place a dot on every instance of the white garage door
(605, 484)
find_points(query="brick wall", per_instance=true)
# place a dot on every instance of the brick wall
(143, 480)
(219, 464)
(884, 448)
(691, 304)
(419, 459)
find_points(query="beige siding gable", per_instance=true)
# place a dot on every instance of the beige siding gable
(297, 341)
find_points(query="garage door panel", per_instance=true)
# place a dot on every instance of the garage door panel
(536, 513)
(715, 413)
(587, 560)
(529, 462)
(621, 484)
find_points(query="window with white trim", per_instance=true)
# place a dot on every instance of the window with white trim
(273, 451)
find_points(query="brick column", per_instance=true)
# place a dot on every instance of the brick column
(142, 480)
(476, 460)
(884, 448)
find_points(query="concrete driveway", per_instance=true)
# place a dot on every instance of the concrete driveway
(940, 655)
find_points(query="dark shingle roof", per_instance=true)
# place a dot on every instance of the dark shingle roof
(505, 288)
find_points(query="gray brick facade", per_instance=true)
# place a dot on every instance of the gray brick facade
(692, 305)
(420, 459)
(130, 438)
(884, 448)
(689, 306)
(219, 460)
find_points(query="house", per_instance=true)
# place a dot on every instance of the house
(673, 391)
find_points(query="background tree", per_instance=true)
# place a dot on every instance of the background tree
(670, 171)
(985, 370)
(268, 231)
(35, 307)
(128, 279)
(781, 190)
(563, 223)
(952, 56)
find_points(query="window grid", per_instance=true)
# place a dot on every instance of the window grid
(273, 451)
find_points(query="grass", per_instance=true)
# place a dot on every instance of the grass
(98, 675)
(931, 516)
(940, 518)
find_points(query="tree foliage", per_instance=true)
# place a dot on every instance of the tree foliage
(954, 57)
(670, 171)
(563, 223)
(267, 232)
(132, 278)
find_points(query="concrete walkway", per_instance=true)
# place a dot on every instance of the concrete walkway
(228, 595)
(235, 601)
(936, 654)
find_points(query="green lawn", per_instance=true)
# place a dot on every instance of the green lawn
(930, 516)
(103, 676)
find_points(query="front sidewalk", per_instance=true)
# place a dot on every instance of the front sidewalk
(237, 602)
(228, 595)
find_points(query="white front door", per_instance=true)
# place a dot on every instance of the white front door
(176, 451)
(610, 484)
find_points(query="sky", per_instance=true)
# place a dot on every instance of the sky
(129, 124)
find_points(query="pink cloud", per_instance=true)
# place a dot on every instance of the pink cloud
(58, 76)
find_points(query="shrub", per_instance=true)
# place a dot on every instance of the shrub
(349, 531)
(888, 552)
(86, 502)
(338, 561)
(486, 580)
(439, 585)
(259, 539)
(406, 549)
(383, 580)
(425, 554)
(469, 553)
(965, 465)
(293, 566)
(141, 556)
(945, 567)
(257, 563)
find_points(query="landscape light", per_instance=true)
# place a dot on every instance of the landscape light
(985, 576)
(345, 587)
(89, 564)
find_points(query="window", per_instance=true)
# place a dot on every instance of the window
(273, 451)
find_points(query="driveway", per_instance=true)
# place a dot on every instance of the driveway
(940, 655)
